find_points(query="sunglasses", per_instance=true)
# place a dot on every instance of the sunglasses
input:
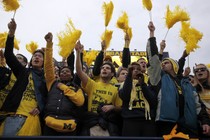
(200, 69)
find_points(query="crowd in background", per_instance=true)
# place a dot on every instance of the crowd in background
(152, 97)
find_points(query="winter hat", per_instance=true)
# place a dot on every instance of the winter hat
(174, 64)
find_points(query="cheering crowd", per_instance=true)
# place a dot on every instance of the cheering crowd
(152, 97)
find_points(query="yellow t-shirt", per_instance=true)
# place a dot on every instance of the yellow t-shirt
(113, 81)
(4, 92)
(99, 92)
(28, 101)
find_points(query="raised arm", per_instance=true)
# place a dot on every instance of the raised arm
(71, 58)
(125, 91)
(162, 47)
(99, 60)
(126, 56)
(70, 61)
(82, 75)
(181, 63)
(48, 62)
(154, 70)
(11, 59)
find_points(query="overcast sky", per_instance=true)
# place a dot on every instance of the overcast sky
(35, 18)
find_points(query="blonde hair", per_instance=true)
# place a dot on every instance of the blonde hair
(119, 70)
(196, 79)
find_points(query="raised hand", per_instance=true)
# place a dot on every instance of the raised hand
(48, 37)
(127, 40)
(162, 46)
(12, 27)
(103, 45)
(151, 26)
(79, 47)
(184, 54)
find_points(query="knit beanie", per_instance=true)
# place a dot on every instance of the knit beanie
(174, 64)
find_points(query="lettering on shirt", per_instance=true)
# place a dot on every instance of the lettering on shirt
(101, 97)
(139, 100)
(4, 92)
(29, 93)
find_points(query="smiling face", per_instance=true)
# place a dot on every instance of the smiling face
(65, 74)
(201, 73)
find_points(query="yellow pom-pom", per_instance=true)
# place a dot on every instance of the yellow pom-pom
(147, 4)
(67, 39)
(107, 10)
(89, 57)
(176, 16)
(191, 37)
(123, 24)
(10, 5)
(122, 21)
(107, 36)
(3, 38)
(32, 47)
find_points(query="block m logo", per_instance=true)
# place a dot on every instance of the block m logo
(67, 126)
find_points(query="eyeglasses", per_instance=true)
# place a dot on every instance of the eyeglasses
(200, 69)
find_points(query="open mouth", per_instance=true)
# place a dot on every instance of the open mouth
(104, 73)
(200, 74)
(36, 61)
